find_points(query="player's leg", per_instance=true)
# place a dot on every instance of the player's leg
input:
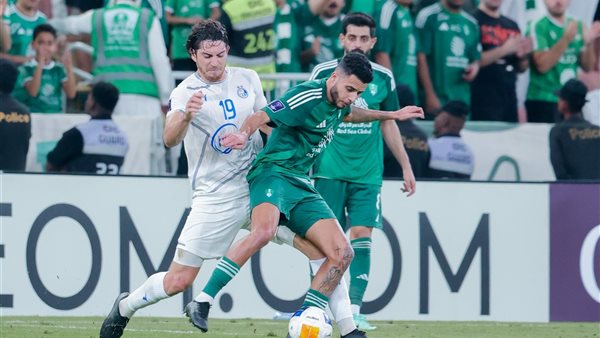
(157, 287)
(364, 213)
(339, 301)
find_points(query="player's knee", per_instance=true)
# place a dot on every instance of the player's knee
(262, 235)
(342, 256)
(177, 283)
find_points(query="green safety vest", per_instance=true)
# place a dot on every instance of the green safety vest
(121, 52)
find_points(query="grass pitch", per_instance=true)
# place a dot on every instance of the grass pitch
(66, 327)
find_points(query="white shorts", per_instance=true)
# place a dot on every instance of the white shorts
(211, 228)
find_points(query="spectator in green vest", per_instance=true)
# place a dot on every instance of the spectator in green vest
(43, 79)
(22, 17)
(561, 44)
(129, 53)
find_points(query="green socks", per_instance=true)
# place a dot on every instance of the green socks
(359, 269)
(315, 298)
(223, 273)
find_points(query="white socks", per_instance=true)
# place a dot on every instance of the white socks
(203, 297)
(148, 293)
(339, 302)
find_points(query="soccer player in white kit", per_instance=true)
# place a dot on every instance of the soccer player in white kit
(212, 101)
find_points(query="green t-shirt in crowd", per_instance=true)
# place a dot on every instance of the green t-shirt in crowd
(331, 48)
(186, 9)
(49, 98)
(395, 36)
(289, 23)
(356, 152)
(21, 30)
(451, 42)
(545, 32)
(304, 122)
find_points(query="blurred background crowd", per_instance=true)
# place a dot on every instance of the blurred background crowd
(513, 61)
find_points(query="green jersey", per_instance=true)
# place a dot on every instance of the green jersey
(49, 97)
(331, 47)
(450, 41)
(356, 152)
(304, 122)
(545, 32)
(287, 30)
(395, 36)
(186, 9)
(21, 30)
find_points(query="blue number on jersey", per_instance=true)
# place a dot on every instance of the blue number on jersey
(228, 109)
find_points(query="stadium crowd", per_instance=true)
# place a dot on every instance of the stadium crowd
(461, 60)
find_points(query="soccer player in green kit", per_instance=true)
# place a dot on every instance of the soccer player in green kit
(349, 172)
(304, 120)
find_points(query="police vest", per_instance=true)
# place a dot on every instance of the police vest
(104, 148)
(121, 52)
(451, 153)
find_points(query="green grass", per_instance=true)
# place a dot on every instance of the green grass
(65, 327)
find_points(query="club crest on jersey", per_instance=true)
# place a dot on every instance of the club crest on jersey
(373, 88)
(242, 92)
(276, 106)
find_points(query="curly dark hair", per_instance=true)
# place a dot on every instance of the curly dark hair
(206, 30)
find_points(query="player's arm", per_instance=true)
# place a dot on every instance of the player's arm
(238, 139)
(393, 139)
(178, 120)
(367, 115)
(5, 38)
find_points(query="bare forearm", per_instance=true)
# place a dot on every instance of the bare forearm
(588, 59)
(70, 86)
(491, 56)
(215, 13)
(176, 127)
(366, 115)
(254, 121)
(5, 37)
(424, 76)
(33, 86)
(544, 61)
(393, 140)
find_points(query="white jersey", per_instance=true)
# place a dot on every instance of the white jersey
(218, 174)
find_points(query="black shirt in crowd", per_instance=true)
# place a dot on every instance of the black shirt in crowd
(493, 92)
(575, 149)
(15, 132)
(415, 143)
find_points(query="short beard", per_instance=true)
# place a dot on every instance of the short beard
(335, 95)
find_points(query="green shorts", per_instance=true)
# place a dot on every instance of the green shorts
(300, 204)
(361, 202)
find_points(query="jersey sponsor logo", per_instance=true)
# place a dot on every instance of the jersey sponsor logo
(276, 106)
(215, 140)
(457, 46)
(242, 92)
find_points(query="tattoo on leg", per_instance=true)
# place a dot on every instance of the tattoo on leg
(335, 273)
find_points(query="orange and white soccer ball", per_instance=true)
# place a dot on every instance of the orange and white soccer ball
(310, 322)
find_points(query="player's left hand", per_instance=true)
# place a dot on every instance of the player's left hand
(410, 184)
(408, 113)
(236, 140)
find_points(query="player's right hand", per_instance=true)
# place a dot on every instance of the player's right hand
(408, 113)
(193, 106)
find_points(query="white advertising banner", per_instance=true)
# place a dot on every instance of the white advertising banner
(47, 129)
(520, 153)
(454, 251)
